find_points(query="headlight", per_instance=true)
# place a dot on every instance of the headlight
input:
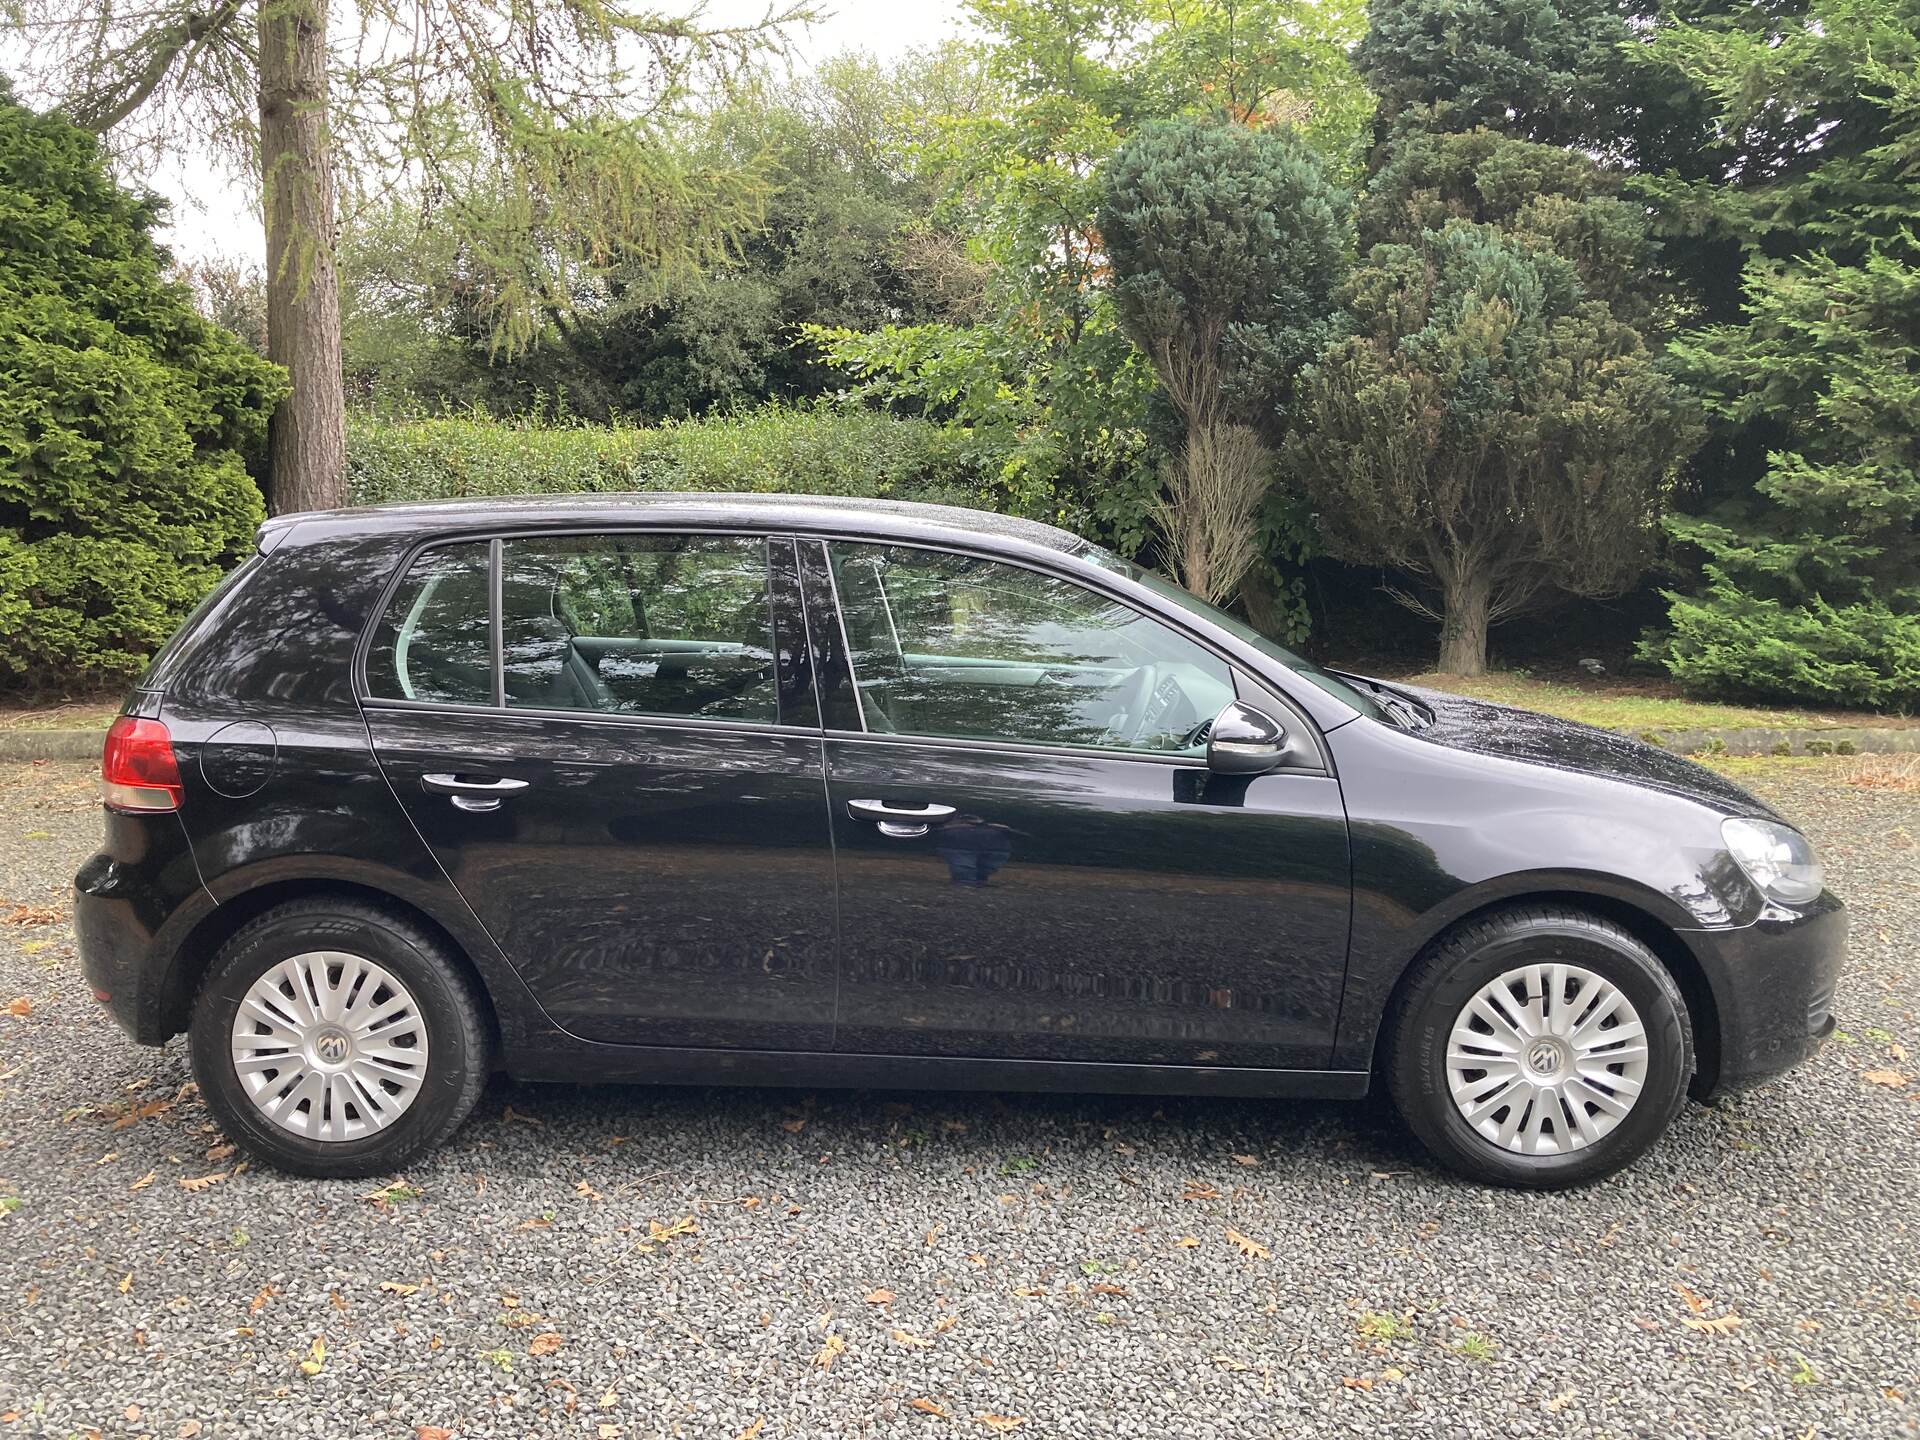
(1777, 858)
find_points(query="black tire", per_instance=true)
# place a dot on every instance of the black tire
(453, 1012)
(1474, 954)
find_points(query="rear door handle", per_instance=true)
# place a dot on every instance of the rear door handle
(902, 822)
(471, 793)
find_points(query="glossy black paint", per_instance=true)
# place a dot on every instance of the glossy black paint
(693, 900)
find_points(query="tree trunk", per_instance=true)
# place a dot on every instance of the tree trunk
(1463, 630)
(307, 438)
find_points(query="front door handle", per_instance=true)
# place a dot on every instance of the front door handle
(472, 793)
(902, 822)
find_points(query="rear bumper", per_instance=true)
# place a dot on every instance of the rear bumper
(131, 903)
(1773, 984)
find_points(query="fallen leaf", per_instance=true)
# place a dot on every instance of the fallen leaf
(1724, 1325)
(1892, 1079)
(927, 1407)
(834, 1348)
(879, 1297)
(215, 1154)
(432, 1432)
(1187, 1242)
(546, 1344)
(795, 1125)
(587, 1192)
(398, 1287)
(188, 1429)
(19, 1005)
(199, 1183)
(907, 1337)
(1559, 1402)
(510, 1113)
(1246, 1160)
(126, 1284)
(1357, 1382)
(1106, 1288)
(259, 1302)
(1694, 1302)
(131, 1414)
(607, 1432)
(945, 1325)
(1199, 1190)
(753, 1429)
(1393, 1372)
(1249, 1247)
(144, 1181)
(1001, 1424)
(316, 1356)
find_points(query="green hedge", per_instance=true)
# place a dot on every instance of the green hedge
(815, 451)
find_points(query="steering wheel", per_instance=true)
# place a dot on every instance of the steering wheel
(1130, 699)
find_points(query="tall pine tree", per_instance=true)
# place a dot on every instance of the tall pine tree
(1810, 583)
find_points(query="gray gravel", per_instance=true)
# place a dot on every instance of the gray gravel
(1069, 1260)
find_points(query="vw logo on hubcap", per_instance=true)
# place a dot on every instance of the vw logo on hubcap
(331, 1047)
(1544, 1058)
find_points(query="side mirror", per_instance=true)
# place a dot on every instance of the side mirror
(1245, 741)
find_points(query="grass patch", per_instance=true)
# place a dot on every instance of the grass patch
(1636, 706)
(65, 715)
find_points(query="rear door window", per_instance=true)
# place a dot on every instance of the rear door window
(432, 644)
(670, 625)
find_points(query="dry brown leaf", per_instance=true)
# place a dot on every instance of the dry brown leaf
(946, 1324)
(398, 1287)
(907, 1337)
(1248, 1246)
(878, 1297)
(546, 1344)
(978, 1261)
(217, 1153)
(927, 1407)
(608, 1432)
(1724, 1325)
(510, 1114)
(1187, 1242)
(33, 915)
(1694, 1302)
(1559, 1402)
(1246, 1160)
(1357, 1382)
(1001, 1424)
(126, 1284)
(1104, 1287)
(188, 1429)
(131, 1414)
(795, 1125)
(201, 1182)
(831, 1351)
(144, 1181)
(1199, 1190)
(752, 1430)
(1892, 1079)
(259, 1302)
(432, 1432)
(19, 1005)
(587, 1192)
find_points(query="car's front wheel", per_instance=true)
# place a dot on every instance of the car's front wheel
(1539, 1047)
(333, 1038)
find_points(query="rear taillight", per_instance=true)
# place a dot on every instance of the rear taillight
(137, 771)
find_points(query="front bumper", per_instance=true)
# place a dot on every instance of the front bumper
(1773, 985)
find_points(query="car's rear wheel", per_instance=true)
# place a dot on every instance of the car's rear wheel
(334, 1038)
(1539, 1047)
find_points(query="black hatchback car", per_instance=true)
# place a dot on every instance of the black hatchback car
(768, 790)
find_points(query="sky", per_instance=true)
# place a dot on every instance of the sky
(211, 216)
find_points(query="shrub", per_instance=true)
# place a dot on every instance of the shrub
(821, 450)
(124, 419)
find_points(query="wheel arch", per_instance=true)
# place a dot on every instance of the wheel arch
(195, 953)
(1662, 938)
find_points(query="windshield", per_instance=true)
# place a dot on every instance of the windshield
(1193, 604)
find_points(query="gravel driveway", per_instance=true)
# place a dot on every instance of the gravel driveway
(629, 1262)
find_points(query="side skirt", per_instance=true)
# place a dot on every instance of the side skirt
(658, 1065)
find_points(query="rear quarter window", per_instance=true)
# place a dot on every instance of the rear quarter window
(167, 660)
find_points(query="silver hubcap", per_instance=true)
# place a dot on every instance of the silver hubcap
(1547, 1059)
(330, 1046)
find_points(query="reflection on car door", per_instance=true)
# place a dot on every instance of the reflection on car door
(632, 805)
(1033, 861)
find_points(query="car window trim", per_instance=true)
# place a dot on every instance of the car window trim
(496, 542)
(1234, 667)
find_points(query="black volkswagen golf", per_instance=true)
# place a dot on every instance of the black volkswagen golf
(766, 790)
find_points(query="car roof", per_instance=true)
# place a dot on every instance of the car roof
(824, 514)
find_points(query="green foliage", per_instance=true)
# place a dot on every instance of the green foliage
(819, 450)
(1810, 578)
(1544, 71)
(124, 421)
(1227, 245)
